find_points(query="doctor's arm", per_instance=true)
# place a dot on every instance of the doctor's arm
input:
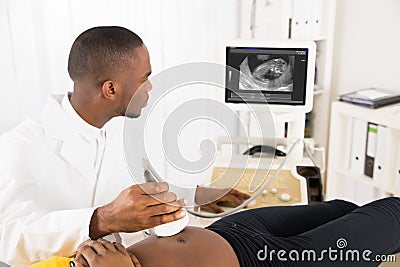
(137, 208)
(30, 231)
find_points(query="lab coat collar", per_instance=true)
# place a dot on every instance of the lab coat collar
(57, 125)
(54, 119)
(87, 131)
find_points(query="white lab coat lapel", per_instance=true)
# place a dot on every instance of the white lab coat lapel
(73, 149)
(114, 173)
(76, 153)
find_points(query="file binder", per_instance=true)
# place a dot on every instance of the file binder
(380, 168)
(397, 169)
(371, 149)
(359, 139)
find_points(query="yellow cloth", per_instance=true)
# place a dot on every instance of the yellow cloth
(54, 262)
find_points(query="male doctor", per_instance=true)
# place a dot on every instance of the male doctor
(63, 178)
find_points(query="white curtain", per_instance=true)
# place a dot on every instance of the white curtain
(36, 35)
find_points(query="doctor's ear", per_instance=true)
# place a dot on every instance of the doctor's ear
(108, 89)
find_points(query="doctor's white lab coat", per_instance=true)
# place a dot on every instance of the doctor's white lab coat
(48, 191)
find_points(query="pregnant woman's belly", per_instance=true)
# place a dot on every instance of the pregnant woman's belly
(194, 247)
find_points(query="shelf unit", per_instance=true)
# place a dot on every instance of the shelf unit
(275, 20)
(324, 65)
(342, 181)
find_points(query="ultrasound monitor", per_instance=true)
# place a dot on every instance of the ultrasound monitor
(280, 74)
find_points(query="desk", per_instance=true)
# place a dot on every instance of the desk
(285, 190)
(287, 183)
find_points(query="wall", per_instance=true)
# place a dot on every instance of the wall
(36, 35)
(367, 45)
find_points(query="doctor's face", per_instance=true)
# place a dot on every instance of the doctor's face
(135, 85)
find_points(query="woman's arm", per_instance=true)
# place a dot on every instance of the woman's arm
(102, 253)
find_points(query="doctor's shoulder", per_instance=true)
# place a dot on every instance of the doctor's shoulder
(26, 136)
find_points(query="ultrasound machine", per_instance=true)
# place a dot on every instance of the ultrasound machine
(281, 75)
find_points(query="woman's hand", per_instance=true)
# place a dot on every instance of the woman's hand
(102, 253)
(209, 198)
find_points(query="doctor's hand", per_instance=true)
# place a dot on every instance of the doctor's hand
(210, 198)
(137, 208)
(102, 253)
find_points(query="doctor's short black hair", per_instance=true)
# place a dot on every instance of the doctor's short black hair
(100, 52)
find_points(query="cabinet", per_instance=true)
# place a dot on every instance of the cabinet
(342, 180)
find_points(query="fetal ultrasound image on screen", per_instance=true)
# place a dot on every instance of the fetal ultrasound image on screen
(267, 73)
